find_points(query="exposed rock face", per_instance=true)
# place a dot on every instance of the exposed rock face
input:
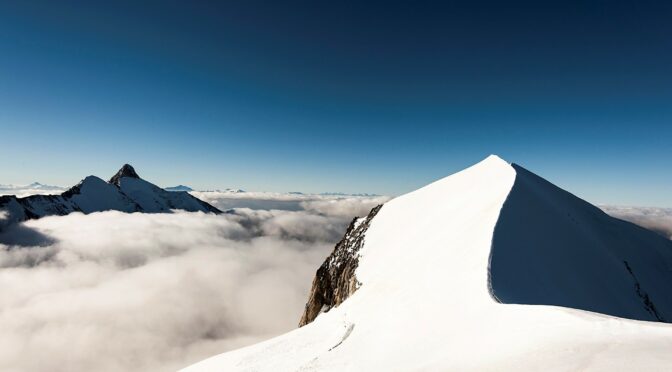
(646, 300)
(125, 171)
(335, 280)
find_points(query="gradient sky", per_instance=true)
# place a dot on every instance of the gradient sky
(378, 97)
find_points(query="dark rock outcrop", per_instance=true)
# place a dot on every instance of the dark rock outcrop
(125, 171)
(646, 300)
(335, 280)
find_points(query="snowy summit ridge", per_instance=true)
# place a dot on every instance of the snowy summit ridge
(491, 268)
(125, 192)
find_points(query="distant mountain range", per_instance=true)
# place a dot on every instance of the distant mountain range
(178, 188)
(32, 186)
(125, 192)
(346, 194)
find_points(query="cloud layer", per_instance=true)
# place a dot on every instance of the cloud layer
(655, 219)
(32, 189)
(135, 292)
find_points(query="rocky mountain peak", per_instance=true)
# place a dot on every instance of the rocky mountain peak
(125, 171)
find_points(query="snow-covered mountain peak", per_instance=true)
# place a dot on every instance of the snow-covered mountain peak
(434, 280)
(126, 171)
(89, 182)
(92, 180)
(494, 157)
(125, 192)
(178, 188)
(489, 170)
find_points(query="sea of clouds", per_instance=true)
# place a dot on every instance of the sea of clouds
(137, 292)
(34, 188)
(658, 220)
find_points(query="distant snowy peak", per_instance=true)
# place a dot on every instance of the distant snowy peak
(235, 191)
(93, 194)
(154, 199)
(125, 171)
(125, 192)
(361, 194)
(40, 186)
(35, 187)
(178, 188)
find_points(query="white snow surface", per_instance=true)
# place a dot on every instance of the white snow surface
(34, 188)
(549, 246)
(424, 303)
(97, 195)
(153, 199)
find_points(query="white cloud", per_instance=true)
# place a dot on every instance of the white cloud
(288, 201)
(656, 219)
(32, 189)
(135, 292)
(343, 207)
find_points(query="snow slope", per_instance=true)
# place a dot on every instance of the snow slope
(425, 301)
(95, 195)
(550, 247)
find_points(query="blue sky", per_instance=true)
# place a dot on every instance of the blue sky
(378, 97)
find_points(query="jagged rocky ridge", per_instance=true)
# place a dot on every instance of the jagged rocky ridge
(125, 192)
(335, 280)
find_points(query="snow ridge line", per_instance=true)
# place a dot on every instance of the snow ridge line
(491, 290)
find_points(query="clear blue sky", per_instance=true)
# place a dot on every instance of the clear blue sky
(339, 96)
